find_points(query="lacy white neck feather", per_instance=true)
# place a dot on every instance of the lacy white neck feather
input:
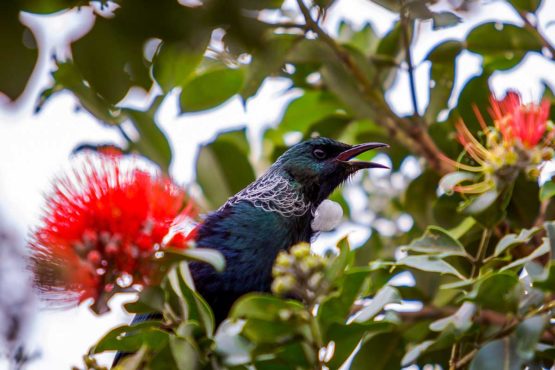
(273, 193)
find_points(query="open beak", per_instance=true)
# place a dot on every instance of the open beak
(352, 152)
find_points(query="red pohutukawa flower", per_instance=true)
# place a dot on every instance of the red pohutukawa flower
(518, 140)
(516, 121)
(102, 225)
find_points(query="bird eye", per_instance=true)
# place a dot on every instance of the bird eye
(319, 154)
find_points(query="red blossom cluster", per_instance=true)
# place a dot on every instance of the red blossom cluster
(518, 140)
(516, 121)
(102, 225)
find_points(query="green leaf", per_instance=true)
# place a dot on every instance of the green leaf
(430, 264)
(129, 338)
(449, 181)
(500, 292)
(207, 255)
(18, 52)
(547, 191)
(47, 6)
(192, 306)
(514, 350)
(264, 307)
(385, 296)
(184, 353)
(389, 54)
(266, 61)
(103, 64)
(412, 355)
(445, 20)
(526, 5)
(337, 306)
(459, 322)
(175, 61)
(544, 248)
(550, 228)
(511, 240)
(347, 337)
(364, 40)
(68, 76)
(420, 193)
(437, 241)
(151, 299)
(223, 168)
(152, 142)
(308, 109)
(502, 45)
(340, 262)
(211, 88)
(383, 351)
(480, 203)
(234, 348)
(442, 74)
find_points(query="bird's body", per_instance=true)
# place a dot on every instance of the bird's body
(268, 216)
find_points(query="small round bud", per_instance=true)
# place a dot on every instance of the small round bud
(534, 173)
(283, 284)
(300, 250)
(315, 280)
(314, 262)
(283, 260)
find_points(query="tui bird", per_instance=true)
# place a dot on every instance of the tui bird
(268, 216)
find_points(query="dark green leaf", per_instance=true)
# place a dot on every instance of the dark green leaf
(420, 193)
(266, 61)
(152, 142)
(211, 88)
(175, 62)
(264, 307)
(526, 5)
(385, 296)
(499, 292)
(223, 168)
(382, 351)
(437, 241)
(547, 190)
(511, 240)
(515, 350)
(502, 45)
(459, 322)
(445, 20)
(442, 77)
(430, 264)
(18, 51)
(308, 109)
(129, 338)
(347, 337)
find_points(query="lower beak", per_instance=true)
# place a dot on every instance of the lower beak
(352, 152)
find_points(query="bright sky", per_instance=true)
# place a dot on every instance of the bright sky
(34, 148)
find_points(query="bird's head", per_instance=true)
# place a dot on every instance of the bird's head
(320, 164)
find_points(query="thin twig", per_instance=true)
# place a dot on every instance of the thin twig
(536, 31)
(406, 25)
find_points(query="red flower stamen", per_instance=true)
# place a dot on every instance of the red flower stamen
(102, 224)
(516, 121)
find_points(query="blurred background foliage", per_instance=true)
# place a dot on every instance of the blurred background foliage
(473, 305)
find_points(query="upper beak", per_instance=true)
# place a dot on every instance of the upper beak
(361, 148)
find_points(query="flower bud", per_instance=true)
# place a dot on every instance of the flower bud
(283, 285)
(300, 250)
